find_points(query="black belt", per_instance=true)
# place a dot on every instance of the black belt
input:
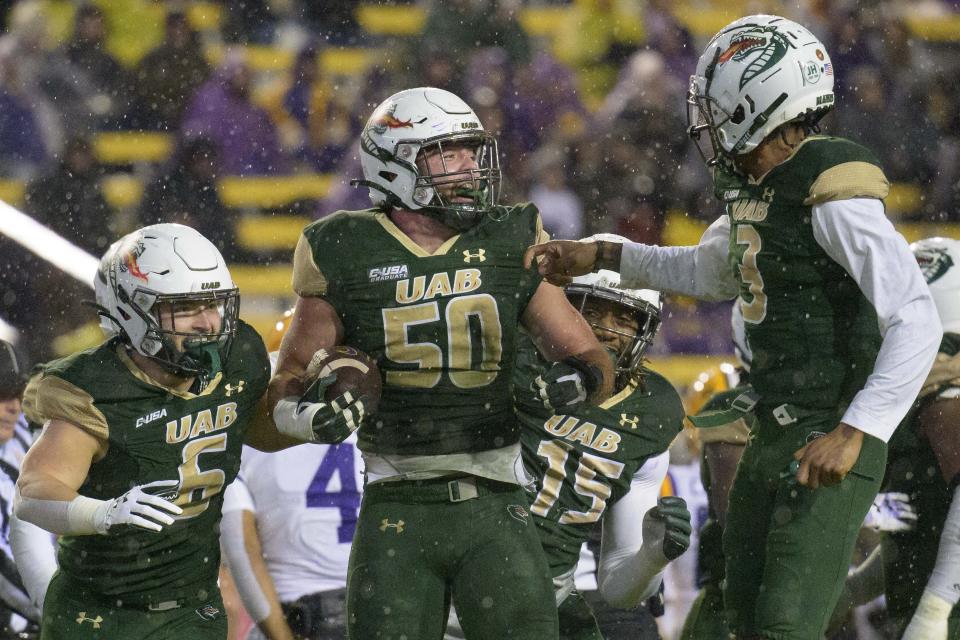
(306, 614)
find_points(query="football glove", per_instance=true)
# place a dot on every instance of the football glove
(140, 507)
(891, 512)
(668, 524)
(566, 385)
(334, 421)
(930, 620)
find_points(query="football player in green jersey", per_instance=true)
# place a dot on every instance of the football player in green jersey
(842, 328)
(431, 284)
(141, 435)
(606, 462)
(921, 566)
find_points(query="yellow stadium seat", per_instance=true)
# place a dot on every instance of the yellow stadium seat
(680, 229)
(122, 191)
(205, 16)
(391, 20)
(542, 21)
(904, 197)
(345, 61)
(272, 191)
(682, 370)
(272, 280)
(12, 192)
(945, 28)
(128, 147)
(270, 232)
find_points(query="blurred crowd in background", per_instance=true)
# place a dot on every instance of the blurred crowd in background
(587, 98)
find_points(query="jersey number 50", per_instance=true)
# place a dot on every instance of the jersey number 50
(466, 370)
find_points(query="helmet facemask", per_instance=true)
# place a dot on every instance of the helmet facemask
(481, 186)
(199, 355)
(629, 359)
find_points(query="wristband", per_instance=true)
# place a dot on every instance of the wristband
(294, 421)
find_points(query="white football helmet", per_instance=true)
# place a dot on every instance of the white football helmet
(755, 75)
(167, 263)
(939, 260)
(413, 121)
(645, 304)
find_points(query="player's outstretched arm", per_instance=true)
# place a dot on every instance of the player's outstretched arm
(243, 555)
(560, 260)
(54, 469)
(582, 371)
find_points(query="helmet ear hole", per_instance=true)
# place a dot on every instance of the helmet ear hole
(738, 115)
(389, 176)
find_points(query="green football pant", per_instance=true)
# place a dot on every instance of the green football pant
(73, 612)
(706, 620)
(415, 547)
(788, 547)
(576, 619)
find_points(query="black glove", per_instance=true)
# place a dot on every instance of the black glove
(567, 384)
(669, 521)
(335, 420)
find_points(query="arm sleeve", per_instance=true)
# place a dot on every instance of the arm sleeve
(235, 553)
(237, 497)
(34, 552)
(700, 271)
(627, 574)
(858, 236)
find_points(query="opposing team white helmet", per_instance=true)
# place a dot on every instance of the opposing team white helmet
(166, 263)
(645, 304)
(939, 260)
(416, 120)
(755, 75)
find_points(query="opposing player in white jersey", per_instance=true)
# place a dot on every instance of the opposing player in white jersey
(288, 521)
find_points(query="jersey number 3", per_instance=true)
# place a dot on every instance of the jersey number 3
(756, 310)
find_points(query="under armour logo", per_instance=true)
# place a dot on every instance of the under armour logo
(629, 420)
(386, 524)
(480, 255)
(768, 194)
(230, 388)
(83, 618)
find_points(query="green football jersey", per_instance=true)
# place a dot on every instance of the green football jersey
(813, 334)
(153, 433)
(913, 468)
(442, 326)
(583, 462)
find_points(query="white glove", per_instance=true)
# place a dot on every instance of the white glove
(139, 507)
(930, 620)
(891, 512)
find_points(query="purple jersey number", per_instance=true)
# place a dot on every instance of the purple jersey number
(340, 459)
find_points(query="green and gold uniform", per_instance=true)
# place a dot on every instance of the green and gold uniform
(443, 327)
(583, 463)
(134, 584)
(726, 417)
(914, 468)
(814, 337)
